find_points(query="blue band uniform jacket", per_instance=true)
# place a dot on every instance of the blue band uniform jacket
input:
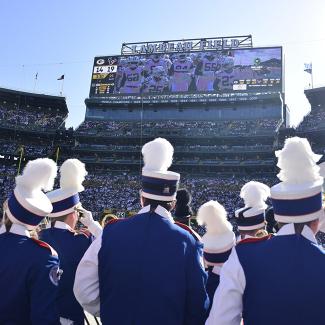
(70, 246)
(29, 276)
(144, 270)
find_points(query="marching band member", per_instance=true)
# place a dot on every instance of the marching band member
(146, 269)
(251, 218)
(280, 280)
(218, 241)
(29, 269)
(70, 244)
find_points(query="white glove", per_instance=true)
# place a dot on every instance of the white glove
(86, 217)
(87, 220)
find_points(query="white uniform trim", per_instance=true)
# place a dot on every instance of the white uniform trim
(228, 299)
(227, 302)
(2, 229)
(19, 230)
(159, 210)
(86, 284)
(217, 269)
(62, 225)
(65, 321)
(94, 228)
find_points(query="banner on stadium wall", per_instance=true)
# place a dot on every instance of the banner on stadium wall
(225, 71)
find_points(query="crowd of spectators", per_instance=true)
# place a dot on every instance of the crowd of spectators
(185, 148)
(120, 192)
(30, 117)
(7, 179)
(197, 128)
(313, 119)
(10, 147)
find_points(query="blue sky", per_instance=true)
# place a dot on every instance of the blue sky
(58, 37)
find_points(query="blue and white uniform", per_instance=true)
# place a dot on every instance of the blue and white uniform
(272, 282)
(70, 246)
(144, 270)
(2, 229)
(29, 274)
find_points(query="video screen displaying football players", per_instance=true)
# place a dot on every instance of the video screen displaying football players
(157, 82)
(209, 71)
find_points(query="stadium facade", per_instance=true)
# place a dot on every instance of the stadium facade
(221, 108)
(219, 130)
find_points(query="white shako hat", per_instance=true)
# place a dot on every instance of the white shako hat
(298, 198)
(66, 198)
(158, 183)
(219, 238)
(252, 215)
(28, 205)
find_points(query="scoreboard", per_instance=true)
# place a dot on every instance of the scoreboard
(103, 76)
(226, 71)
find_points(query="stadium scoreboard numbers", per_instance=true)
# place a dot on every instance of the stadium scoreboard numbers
(103, 76)
(236, 70)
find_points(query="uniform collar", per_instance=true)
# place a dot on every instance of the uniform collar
(217, 269)
(239, 239)
(289, 229)
(19, 230)
(159, 210)
(62, 225)
(2, 229)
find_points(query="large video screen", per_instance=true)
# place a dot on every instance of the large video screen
(255, 69)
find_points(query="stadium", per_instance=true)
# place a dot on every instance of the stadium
(223, 135)
(220, 102)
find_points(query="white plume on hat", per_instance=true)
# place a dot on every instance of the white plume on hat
(73, 173)
(297, 162)
(38, 174)
(157, 155)
(255, 194)
(219, 232)
(214, 216)
(301, 180)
